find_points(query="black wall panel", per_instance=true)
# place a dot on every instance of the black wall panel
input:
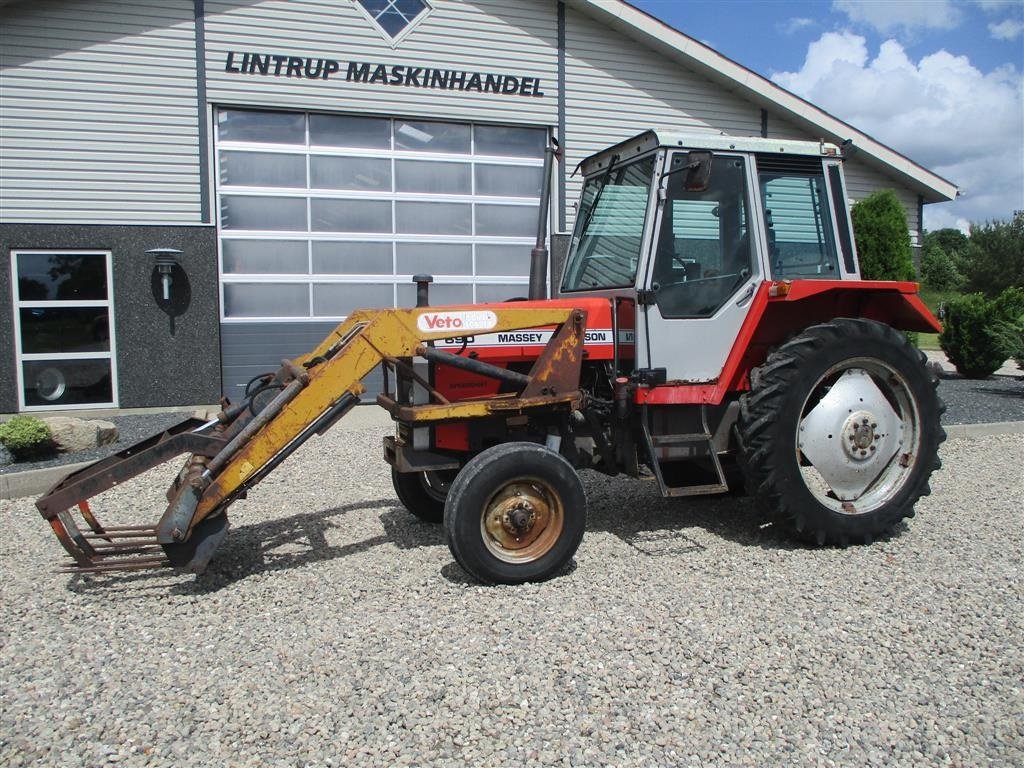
(166, 355)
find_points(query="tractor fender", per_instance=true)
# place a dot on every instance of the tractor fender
(782, 308)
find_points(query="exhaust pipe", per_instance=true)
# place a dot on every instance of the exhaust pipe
(539, 254)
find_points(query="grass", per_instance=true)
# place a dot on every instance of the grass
(932, 300)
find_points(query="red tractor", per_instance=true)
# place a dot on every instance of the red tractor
(710, 329)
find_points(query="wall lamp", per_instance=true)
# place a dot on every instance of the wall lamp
(166, 261)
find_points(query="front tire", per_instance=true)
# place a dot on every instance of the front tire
(840, 432)
(515, 513)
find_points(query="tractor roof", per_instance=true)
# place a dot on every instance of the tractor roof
(653, 139)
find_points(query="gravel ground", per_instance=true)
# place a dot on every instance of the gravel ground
(335, 629)
(969, 401)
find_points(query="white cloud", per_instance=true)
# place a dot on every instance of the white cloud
(1006, 30)
(942, 112)
(888, 16)
(794, 25)
(994, 6)
(938, 217)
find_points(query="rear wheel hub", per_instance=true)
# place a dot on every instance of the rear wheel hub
(859, 430)
(519, 519)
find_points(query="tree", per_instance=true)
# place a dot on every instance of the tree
(883, 241)
(944, 259)
(952, 241)
(995, 259)
(939, 268)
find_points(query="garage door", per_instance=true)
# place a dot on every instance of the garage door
(323, 214)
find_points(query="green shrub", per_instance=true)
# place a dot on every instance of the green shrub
(1009, 305)
(883, 240)
(26, 438)
(1018, 335)
(1011, 335)
(975, 337)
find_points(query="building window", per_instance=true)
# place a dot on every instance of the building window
(394, 18)
(323, 214)
(64, 329)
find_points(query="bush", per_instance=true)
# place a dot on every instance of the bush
(1012, 336)
(883, 241)
(1018, 342)
(975, 337)
(26, 438)
(1010, 325)
(1009, 304)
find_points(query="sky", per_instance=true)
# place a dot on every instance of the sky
(939, 81)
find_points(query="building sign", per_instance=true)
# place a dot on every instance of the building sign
(386, 75)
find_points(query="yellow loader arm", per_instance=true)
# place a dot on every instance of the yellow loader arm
(308, 395)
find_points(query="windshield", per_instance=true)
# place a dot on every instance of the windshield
(609, 231)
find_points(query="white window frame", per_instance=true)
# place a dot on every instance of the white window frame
(392, 196)
(394, 41)
(23, 357)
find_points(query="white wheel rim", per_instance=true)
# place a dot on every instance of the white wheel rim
(859, 436)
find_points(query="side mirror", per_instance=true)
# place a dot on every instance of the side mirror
(696, 166)
(698, 172)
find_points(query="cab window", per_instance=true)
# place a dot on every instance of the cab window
(704, 251)
(798, 221)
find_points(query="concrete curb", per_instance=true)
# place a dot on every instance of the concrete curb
(34, 482)
(957, 431)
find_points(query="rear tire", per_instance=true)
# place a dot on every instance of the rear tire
(515, 513)
(423, 493)
(840, 432)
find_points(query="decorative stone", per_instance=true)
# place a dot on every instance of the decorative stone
(5, 456)
(74, 434)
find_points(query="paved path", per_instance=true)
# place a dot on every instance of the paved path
(1010, 367)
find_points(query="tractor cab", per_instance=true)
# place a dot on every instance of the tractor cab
(689, 225)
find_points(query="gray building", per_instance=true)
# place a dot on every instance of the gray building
(291, 161)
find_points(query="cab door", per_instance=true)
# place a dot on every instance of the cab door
(703, 267)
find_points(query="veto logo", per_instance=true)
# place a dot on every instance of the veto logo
(457, 321)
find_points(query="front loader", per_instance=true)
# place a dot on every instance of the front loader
(711, 332)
